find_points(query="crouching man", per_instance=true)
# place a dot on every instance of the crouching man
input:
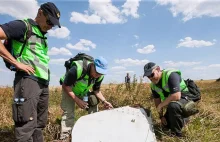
(75, 89)
(169, 90)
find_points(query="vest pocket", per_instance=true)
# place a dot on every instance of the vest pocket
(22, 111)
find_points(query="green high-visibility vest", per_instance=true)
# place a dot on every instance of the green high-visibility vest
(34, 52)
(81, 87)
(165, 77)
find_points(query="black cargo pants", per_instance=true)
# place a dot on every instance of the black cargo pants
(174, 116)
(30, 115)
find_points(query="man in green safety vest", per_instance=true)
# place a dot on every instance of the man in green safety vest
(29, 59)
(168, 88)
(76, 89)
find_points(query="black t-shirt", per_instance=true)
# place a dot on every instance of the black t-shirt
(127, 79)
(71, 78)
(173, 84)
(16, 30)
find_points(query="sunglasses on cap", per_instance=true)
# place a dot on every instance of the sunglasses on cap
(152, 75)
(48, 20)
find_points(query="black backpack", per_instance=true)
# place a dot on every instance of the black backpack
(80, 56)
(195, 94)
(8, 45)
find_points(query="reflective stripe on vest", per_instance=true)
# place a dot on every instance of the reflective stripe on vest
(165, 77)
(81, 87)
(34, 52)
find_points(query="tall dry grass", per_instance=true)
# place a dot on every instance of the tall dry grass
(203, 127)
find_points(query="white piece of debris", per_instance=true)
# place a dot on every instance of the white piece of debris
(125, 124)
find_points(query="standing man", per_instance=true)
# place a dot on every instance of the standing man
(31, 82)
(168, 88)
(76, 88)
(127, 81)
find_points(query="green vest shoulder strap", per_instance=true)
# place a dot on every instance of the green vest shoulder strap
(183, 86)
(100, 78)
(166, 75)
(28, 30)
(79, 68)
(27, 35)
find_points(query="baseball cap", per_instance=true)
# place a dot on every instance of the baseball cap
(148, 68)
(52, 11)
(101, 65)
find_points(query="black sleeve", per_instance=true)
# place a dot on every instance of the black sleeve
(14, 29)
(155, 94)
(174, 82)
(71, 76)
(97, 85)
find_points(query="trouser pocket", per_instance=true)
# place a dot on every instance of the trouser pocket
(22, 112)
(189, 109)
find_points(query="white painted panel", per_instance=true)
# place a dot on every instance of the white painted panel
(125, 124)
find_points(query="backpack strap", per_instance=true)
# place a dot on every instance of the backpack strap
(28, 34)
(84, 69)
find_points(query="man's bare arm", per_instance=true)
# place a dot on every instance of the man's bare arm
(157, 101)
(8, 57)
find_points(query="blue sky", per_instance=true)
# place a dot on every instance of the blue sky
(179, 34)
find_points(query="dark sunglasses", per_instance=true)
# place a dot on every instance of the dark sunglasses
(48, 20)
(152, 75)
(49, 23)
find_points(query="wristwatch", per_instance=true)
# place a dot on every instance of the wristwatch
(103, 101)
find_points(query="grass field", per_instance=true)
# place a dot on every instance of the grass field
(203, 127)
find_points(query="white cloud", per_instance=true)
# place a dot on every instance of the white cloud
(205, 72)
(58, 61)
(188, 42)
(207, 67)
(123, 72)
(200, 68)
(85, 18)
(192, 8)
(83, 45)
(147, 49)
(62, 32)
(181, 63)
(136, 36)
(135, 45)
(19, 9)
(214, 65)
(102, 12)
(118, 68)
(131, 62)
(131, 7)
(59, 51)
